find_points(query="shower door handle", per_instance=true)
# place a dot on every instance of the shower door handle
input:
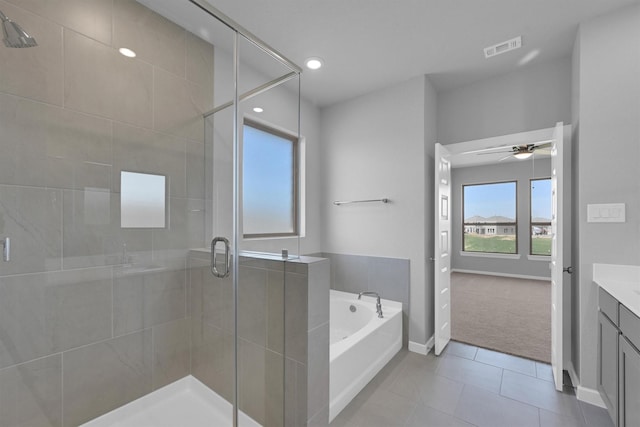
(214, 267)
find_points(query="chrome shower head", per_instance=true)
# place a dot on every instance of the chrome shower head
(14, 35)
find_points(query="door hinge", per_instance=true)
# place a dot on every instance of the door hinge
(568, 270)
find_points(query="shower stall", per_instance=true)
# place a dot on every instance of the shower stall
(146, 258)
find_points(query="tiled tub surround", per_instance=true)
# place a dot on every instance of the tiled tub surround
(387, 276)
(92, 315)
(283, 332)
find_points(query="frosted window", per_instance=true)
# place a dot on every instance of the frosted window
(142, 200)
(268, 182)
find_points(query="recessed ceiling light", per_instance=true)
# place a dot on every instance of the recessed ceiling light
(127, 52)
(258, 109)
(313, 63)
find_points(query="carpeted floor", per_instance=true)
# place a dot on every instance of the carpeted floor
(499, 313)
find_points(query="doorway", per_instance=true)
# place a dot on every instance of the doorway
(488, 151)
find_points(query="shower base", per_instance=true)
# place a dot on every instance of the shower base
(184, 403)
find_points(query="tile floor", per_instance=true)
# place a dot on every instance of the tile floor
(467, 386)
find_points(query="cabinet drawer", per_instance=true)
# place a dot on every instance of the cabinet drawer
(630, 326)
(608, 305)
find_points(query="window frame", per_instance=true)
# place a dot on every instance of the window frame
(495, 225)
(531, 222)
(295, 141)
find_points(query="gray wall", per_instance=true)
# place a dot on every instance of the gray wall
(389, 277)
(531, 98)
(376, 146)
(522, 172)
(608, 111)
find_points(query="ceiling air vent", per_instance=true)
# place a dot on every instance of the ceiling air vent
(503, 47)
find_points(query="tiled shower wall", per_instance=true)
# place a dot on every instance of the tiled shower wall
(91, 315)
(283, 337)
(389, 277)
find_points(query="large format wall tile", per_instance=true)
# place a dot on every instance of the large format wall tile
(178, 105)
(42, 314)
(261, 384)
(212, 358)
(195, 170)
(296, 321)
(142, 299)
(35, 73)
(252, 305)
(31, 394)
(48, 146)
(89, 17)
(171, 353)
(32, 218)
(103, 376)
(318, 369)
(100, 81)
(275, 311)
(200, 56)
(92, 234)
(145, 151)
(152, 37)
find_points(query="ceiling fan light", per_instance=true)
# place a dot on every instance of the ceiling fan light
(523, 155)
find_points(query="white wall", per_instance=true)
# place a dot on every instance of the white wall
(522, 172)
(533, 97)
(374, 147)
(609, 154)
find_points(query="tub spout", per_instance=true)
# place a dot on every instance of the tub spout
(378, 305)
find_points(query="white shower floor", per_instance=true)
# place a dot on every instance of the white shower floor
(184, 403)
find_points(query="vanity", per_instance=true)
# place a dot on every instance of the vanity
(619, 341)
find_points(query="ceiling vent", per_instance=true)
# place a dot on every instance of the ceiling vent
(503, 47)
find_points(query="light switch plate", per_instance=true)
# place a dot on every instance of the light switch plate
(606, 212)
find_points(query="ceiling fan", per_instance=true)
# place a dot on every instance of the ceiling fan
(520, 152)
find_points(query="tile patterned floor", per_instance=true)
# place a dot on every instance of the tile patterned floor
(467, 386)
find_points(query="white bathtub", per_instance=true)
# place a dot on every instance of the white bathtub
(360, 344)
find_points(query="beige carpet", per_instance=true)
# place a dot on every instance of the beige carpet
(508, 315)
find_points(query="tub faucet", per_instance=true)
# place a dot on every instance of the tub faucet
(378, 305)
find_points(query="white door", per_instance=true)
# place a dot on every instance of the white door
(557, 253)
(442, 250)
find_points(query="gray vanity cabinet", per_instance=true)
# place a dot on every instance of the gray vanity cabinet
(629, 385)
(619, 360)
(629, 369)
(608, 335)
(608, 339)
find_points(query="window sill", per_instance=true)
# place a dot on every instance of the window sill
(545, 258)
(490, 255)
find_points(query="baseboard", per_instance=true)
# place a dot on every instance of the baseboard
(421, 348)
(575, 380)
(585, 394)
(590, 395)
(493, 273)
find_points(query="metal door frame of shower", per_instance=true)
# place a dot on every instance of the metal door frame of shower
(295, 71)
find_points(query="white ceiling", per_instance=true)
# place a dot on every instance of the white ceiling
(370, 44)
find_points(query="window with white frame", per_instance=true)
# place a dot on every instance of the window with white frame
(490, 218)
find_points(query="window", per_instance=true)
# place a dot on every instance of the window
(269, 181)
(540, 217)
(489, 212)
(142, 200)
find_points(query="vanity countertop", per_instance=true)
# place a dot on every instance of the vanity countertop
(622, 282)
